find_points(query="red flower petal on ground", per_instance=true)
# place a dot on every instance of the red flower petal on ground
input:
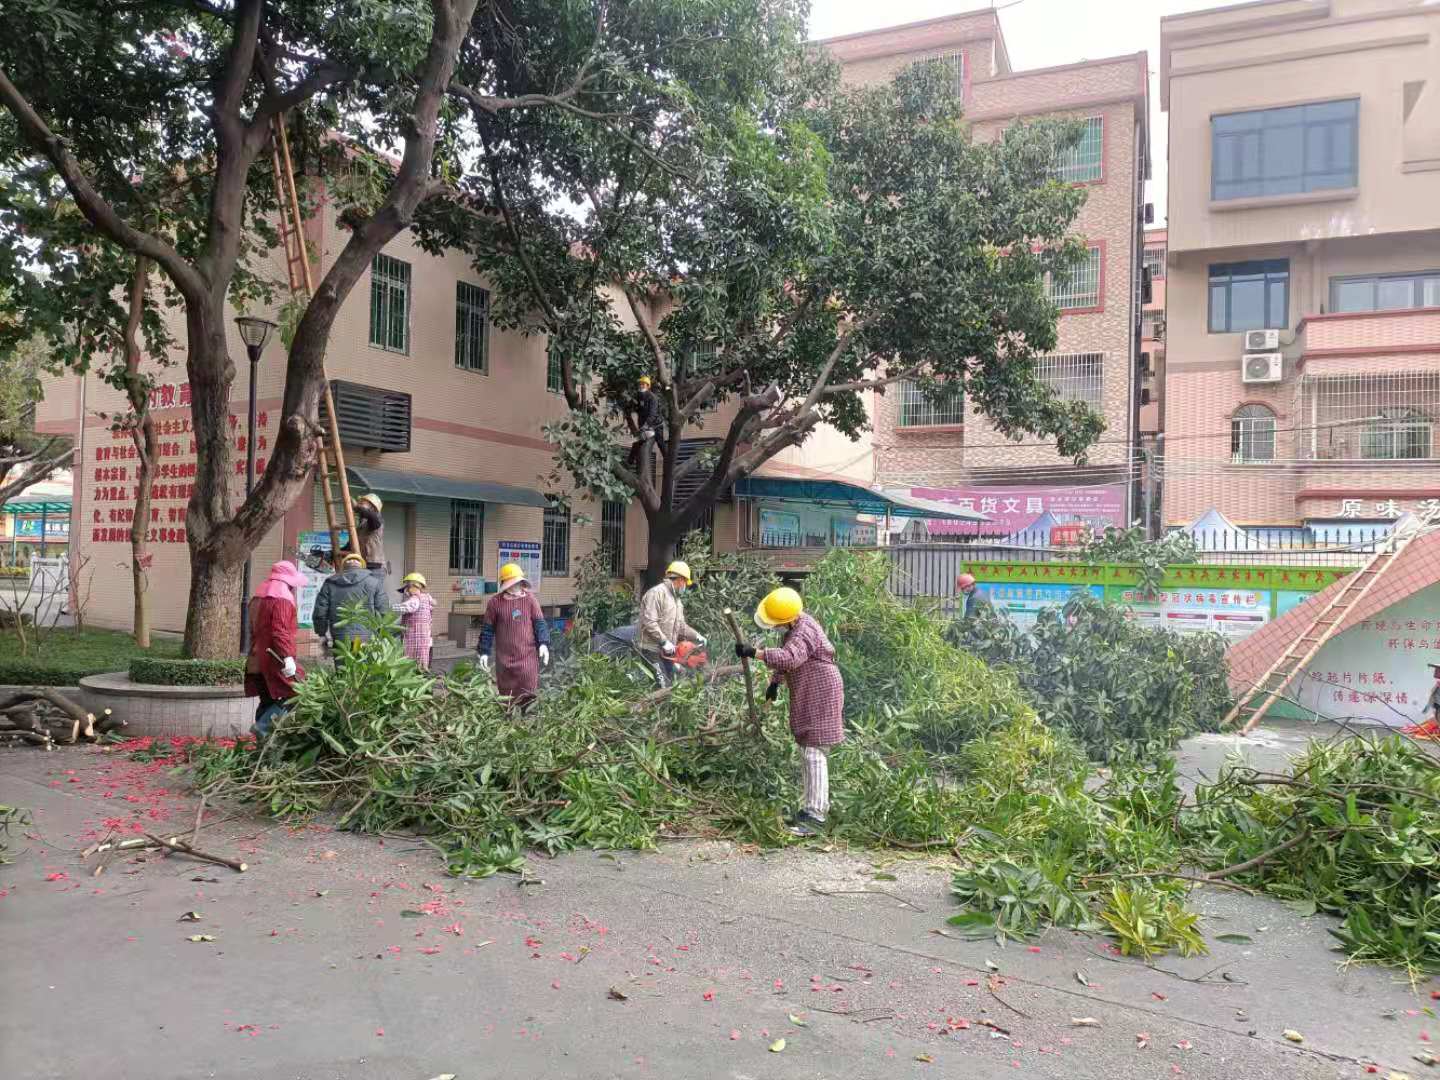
(708, 995)
(59, 875)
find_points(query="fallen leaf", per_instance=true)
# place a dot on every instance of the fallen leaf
(201, 937)
(1081, 979)
(1293, 1035)
(444, 1076)
(883, 877)
(1142, 1040)
(1398, 1076)
(618, 995)
(1157, 995)
(734, 1034)
(1084, 1021)
(411, 913)
(1235, 939)
(1427, 1058)
(798, 1022)
(926, 1058)
(1304, 907)
(1184, 1044)
(207, 880)
(189, 916)
(778, 1046)
(992, 965)
(322, 892)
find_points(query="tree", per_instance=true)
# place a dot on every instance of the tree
(25, 458)
(784, 257)
(157, 153)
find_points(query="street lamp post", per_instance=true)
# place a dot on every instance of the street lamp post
(255, 333)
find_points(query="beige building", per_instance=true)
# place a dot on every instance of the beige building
(1302, 377)
(940, 450)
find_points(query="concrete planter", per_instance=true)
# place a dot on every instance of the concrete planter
(204, 711)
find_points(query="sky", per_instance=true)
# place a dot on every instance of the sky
(1042, 33)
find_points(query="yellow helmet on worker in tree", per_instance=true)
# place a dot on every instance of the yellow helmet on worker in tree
(780, 608)
(414, 579)
(644, 382)
(681, 570)
(373, 500)
(510, 574)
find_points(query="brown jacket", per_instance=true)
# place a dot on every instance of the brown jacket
(662, 619)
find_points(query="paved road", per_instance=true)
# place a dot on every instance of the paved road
(317, 972)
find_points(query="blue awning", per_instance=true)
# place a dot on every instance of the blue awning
(850, 496)
(423, 485)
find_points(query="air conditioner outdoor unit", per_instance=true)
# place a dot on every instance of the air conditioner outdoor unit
(1262, 340)
(1265, 367)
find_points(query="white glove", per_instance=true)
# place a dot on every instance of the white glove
(545, 655)
(699, 641)
(668, 649)
(484, 662)
(288, 668)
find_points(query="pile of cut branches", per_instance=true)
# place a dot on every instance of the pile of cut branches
(44, 717)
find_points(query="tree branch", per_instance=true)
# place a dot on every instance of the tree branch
(36, 473)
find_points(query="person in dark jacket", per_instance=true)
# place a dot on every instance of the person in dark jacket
(270, 670)
(805, 663)
(648, 422)
(971, 598)
(354, 584)
(371, 527)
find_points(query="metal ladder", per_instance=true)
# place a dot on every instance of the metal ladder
(334, 485)
(1255, 704)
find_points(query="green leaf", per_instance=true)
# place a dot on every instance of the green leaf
(778, 1046)
(1235, 939)
(1303, 907)
(410, 913)
(974, 925)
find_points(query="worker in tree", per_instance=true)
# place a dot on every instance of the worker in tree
(662, 623)
(371, 527)
(805, 663)
(515, 638)
(971, 599)
(416, 610)
(1428, 728)
(648, 422)
(355, 584)
(271, 670)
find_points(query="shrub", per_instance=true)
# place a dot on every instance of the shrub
(33, 671)
(156, 671)
(14, 571)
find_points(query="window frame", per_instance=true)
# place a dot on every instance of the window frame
(1073, 166)
(555, 536)
(1247, 425)
(472, 320)
(932, 416)
(1155, 256)
(1272, 120)
(1418, 279)
(1262, 268)
(385, 283)
(947, 57)
(554, 371)
(1057, 361)
(1415, 424)
(1077, 304)
(612, 533)
(460, 509)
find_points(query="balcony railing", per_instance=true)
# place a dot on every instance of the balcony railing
(1378, 418)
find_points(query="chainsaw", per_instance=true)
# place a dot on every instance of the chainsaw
(689, 655)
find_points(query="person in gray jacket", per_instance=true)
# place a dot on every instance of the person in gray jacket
(353, 584)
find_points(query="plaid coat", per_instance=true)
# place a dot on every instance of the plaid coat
(514, 628)
(416, 620)
(805, 662)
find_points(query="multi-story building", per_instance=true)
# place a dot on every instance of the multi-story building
(1152, 377)
(1302, 381)
(943, 451)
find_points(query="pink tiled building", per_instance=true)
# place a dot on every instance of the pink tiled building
(1302, 370)
(926, 445)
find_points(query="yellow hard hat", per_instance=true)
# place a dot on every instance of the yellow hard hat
(414, 579)
(373, 500)
(644, 382)
(510, 574)
(679, 569)
(780, 608)
(352, 559)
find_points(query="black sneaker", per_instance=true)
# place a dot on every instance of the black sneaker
(806, 824)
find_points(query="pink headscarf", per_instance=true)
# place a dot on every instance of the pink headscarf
(283, 577)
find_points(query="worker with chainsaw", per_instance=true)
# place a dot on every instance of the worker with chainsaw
(662, 623)
(271, 670)
(355, 584)
(416, 610)
(515, 638)
(371, 527)
(805, 663)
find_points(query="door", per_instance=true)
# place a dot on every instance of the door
(397, 535)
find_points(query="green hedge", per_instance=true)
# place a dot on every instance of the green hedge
(166, 672)
(14, 571)
(33, 672)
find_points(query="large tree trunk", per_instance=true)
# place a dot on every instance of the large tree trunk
(212, 627)
(664, 543)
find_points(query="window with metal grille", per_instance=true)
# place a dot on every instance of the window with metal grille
(1385, 292)
(1080, 287)
(612, 535)
(1152, 326)
(936, 406)
(1396, 434)
(953, 64)
(390, 304)
(1285, 151)
(1074, 376)
(1155, 263)
(555, 542)
(467, 530)
(1252, 435)
(472, 327)
(1249, 296)
(554, 376)
(1085, 161)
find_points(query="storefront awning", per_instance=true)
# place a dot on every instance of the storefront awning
(425, 486)
(852, 496)
(56, 504)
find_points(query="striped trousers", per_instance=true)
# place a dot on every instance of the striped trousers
(815, 766)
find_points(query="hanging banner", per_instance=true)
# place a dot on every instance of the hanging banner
(1012, 510)
(1021, 603)
(1232, 613)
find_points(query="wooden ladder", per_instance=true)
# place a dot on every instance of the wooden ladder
(334, 484)
(1256, 703)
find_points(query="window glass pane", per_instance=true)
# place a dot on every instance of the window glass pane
(1395, 293)
(1276, 317)
(1219, 309)
(1430, 292)
(1247, 304)
(1283, 151)
(1355, 295)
